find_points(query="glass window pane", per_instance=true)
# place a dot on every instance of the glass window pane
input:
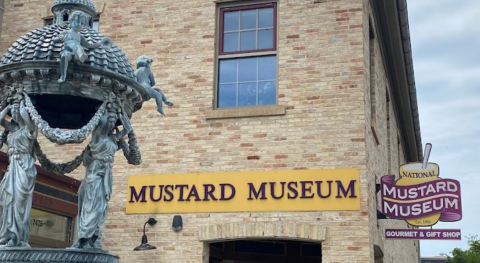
(265, 39)
(49, 225)
(230, 21)
(248, 19)
(96, 25)
(227, 95)
(247, 69)
(265, 17)
(247, 40)
(228, 71)
(267, 68)
(230, 42)
(267, 93)
(247, 94)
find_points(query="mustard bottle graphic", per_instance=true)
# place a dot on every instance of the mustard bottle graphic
(417, 173)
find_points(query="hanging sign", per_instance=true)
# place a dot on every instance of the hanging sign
(420, 196)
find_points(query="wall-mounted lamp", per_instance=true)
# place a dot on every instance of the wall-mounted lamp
(145, 245)
(177, 223)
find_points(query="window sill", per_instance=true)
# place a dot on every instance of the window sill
(258, 111)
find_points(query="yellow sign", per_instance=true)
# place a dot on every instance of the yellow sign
(298, 190)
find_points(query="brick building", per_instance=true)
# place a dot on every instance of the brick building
(2, 3)
(262, 90)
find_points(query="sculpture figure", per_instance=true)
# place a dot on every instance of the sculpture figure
(80, 44)
(74, 43)
(145, 77)
(95, 190)
(16, 188)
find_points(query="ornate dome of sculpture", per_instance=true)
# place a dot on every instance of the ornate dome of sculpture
(38, 45)
(89, 65)
(84, 5)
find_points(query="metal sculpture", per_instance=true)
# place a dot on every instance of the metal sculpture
(96, 189)
(145, 76)
(74, 43)
(67, 62)
(16, 188)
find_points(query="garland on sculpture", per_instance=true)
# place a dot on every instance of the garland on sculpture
(131, 150)
(60, 168)
(59, 136)
(48, 165)
(3, 137)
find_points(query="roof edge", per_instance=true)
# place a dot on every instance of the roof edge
(407, 51)
(392, 24)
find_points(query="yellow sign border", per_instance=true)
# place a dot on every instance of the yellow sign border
(338, 190)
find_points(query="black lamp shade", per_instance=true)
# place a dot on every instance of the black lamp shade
(145, 245)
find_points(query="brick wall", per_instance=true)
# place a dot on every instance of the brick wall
(385, 153)
(322, 82)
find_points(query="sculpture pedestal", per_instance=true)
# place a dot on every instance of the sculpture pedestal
(54, 255)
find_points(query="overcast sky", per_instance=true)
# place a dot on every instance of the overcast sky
(445, 37)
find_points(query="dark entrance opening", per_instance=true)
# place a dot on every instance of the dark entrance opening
(265, 251)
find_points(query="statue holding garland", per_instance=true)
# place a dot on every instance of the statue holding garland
(16, 188)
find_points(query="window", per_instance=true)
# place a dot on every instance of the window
(94, 23)
(49, 225)
(389, 139)
(261, 247)
(373, 84)
(247, 58)
(311, 250)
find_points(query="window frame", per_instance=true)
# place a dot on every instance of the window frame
(221, 27)
(220, 55)
(70, 226)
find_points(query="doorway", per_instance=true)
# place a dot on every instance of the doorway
(265, 251)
